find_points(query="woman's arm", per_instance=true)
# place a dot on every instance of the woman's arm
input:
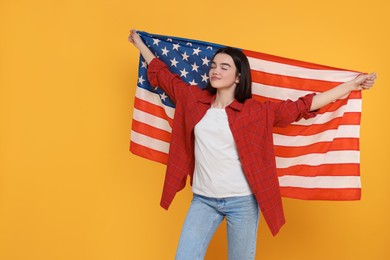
(159, 73)
(362, 82)
(135, 39)
(289, 111)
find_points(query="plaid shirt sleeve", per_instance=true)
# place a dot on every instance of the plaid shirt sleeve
(288, 111)
(160, 75)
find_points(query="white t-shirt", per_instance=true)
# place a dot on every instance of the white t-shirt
(218, 171)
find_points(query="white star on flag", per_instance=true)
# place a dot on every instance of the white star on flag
(174, 62)
(141, 80)
(205, 61)
(196, 51)
(183, 73)
(192, 82)
(165, 51)
(195, 67)
(185, 56)
(205, 77)
(163, 96)
(176, 46)
(156, 41)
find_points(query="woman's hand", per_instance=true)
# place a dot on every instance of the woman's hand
(361, 82)
(135, 39)
(364, 81)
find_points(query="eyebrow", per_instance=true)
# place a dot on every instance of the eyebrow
(226, 64)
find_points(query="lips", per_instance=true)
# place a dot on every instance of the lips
(215, 78)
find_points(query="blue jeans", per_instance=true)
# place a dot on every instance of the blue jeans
(205, 215)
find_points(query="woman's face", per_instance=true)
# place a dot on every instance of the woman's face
(223, 72)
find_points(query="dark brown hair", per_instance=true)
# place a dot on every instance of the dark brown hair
(243, 89)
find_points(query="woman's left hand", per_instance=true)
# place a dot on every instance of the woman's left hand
(364, 81)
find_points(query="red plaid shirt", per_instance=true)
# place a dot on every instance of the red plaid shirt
(251, 124)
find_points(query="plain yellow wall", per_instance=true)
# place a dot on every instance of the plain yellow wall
(69, 187)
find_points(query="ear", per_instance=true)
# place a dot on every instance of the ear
(238, 78)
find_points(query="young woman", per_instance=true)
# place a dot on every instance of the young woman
(222, 139)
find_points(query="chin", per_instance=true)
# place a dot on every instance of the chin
(217, 86)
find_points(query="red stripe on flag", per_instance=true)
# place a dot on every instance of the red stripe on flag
(293, 130)
(321, 194)
(289, 82)
(264, 99)
(152, 109)
(345, 169)
(151, 131)
(293, 62)
(148, 153)
(338, 144)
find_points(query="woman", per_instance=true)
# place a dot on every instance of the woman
(222, 139)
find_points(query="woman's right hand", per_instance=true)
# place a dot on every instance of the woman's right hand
(135, 39)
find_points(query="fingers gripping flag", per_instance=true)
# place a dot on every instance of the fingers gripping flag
(317, 159)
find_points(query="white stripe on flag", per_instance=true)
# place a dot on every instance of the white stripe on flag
(154, 99)
(280, 93)
(149, 142)
(151, 120)
(353, 105)
(332, 157)
(299, 72)
(344, 131)
(277, 92)
(332, 182)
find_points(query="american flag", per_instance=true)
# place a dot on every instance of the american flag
(317, 159)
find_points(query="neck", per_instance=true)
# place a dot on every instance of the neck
(222, 99)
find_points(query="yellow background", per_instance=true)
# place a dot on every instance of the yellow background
(69, 187)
